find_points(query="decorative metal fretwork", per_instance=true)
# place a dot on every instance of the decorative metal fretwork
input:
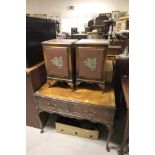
(90, 63)
(57, 61)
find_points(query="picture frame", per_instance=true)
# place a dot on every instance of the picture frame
(115, 15)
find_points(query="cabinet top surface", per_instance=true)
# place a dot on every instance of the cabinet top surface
(59, 41)
(83, 95)
(93, 42)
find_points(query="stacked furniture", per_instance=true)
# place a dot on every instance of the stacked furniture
(62, 64)
(88, 65)
(102, 25)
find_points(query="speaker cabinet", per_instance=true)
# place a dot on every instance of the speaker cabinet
(59, 60)
(90, 61)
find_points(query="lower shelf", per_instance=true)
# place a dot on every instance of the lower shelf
(69, 126)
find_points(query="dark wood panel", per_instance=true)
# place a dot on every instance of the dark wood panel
(37, 30)
(35, 78)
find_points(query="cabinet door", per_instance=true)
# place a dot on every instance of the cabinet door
(57, 61)
(90, 62)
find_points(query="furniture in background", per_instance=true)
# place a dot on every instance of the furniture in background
(125, 94)
(74, 30)
(101, 27)
(57, 23)
(45, 16)
(118, 43)
(90, 26)
(79, 36)
(122, 23)
(114, 50)
(98, 107)
(59, 59)
(90, 61)
(35, 78)
(37, 30)
(100, 19)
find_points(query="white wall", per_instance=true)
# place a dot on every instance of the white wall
(83, 12)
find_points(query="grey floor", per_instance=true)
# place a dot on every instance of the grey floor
(53, 143)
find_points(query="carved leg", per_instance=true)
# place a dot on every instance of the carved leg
(41, 131)
(51, 83)
(110, 129)
(102, 86)
(40, 122)
(71, 85)
(77, 84)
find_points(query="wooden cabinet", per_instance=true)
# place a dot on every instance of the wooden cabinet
(59, 59)
(90, 61)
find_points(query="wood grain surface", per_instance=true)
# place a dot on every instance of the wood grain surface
(60, 42)
(92, 42)
(84, 94)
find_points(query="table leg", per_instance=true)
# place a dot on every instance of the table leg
(110, 129)
(126, 136)
(40, 122)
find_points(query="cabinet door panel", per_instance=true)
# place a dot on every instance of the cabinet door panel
(91, 62)
(56, 59)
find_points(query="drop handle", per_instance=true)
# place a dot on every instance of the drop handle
(50, 104)
(90, 113)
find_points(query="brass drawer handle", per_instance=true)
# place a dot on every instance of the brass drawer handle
(90, 113)
(51, 104)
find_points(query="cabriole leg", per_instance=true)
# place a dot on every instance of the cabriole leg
(110, 129)
(51, 83)
(71, 85)
(102, 86)
(40, 122)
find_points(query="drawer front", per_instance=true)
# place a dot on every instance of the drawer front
(57, 61)
(95, 113)
(53, 104)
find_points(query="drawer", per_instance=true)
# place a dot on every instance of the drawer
(52, 104)
(95, 113)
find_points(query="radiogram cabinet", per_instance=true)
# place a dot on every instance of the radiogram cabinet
(59, 58)
(90, 61)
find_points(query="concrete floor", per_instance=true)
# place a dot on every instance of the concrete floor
(53, 143)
